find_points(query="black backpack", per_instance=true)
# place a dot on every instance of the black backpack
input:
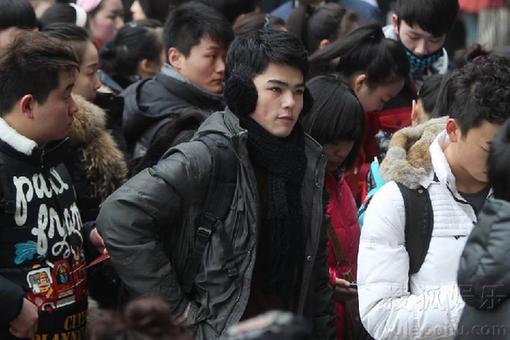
(220, 192)
(419, 224)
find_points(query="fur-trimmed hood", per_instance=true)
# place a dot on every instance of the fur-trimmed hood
(102, 161)
(408, 158)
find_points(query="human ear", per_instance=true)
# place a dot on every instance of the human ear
(26, 104)
(324, 43)
(394, 23)
(453, 130)
(147, 68)
(175, 58)
(358, 82)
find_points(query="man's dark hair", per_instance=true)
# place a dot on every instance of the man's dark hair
(190, 22)
(17, 13)
(366, 50)
(499, 163)
(74, 36)
(336, 115)
(478, 92)
(429, 92)
(250, 54)
(32, 65)
(434, 16)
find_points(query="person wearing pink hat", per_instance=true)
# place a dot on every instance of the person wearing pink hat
(105, 18)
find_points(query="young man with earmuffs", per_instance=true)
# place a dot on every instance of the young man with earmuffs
(269, 250)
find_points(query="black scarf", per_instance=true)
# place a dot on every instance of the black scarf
(284, 162)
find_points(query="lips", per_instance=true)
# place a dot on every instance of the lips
(286, 118)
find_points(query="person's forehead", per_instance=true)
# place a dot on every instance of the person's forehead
(282, 72)
(416, 29)
(206, 42)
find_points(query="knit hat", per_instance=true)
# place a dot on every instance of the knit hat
(88, 5)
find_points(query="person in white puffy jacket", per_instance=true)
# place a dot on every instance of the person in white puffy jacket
(448, 158)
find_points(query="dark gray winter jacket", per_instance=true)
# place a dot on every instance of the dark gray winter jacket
(484, 270)
(148, 228)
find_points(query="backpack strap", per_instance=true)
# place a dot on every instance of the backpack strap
(419, 224)
(335, 242)
(217, 203)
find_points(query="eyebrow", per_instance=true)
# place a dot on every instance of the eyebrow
(283, 83)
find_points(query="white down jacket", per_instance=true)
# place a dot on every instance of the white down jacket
(432, 307)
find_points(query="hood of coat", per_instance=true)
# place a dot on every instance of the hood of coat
(89, 122)
(102, 161)
(408, 158)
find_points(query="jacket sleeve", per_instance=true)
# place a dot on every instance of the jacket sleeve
(11, 297)
(484, 270)
(132, 220)
(324, 326)
(387, 309)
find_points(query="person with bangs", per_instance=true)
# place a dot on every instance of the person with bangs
(376, 68)
(336, 121)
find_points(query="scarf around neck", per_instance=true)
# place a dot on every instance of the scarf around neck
(284, 162)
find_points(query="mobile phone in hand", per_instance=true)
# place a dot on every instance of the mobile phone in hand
(353, 285)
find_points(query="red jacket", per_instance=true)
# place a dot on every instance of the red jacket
(344, 219)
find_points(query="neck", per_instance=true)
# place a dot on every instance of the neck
(463, 180)
(21, 128)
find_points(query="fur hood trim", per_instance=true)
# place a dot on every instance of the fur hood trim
(89, 122)
(103, 161)
(408, 158)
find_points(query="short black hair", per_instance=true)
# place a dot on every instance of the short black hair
(17, 13)
(32, 65)
(429, 92)
(74, 36)
(190, 22)
(336, 115)
(434, 16)
(366, 50)
(250, 54)
(477, 92)
(499, 163)
(132, 43)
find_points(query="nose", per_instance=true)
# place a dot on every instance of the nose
(97, 82)
(220, 65)
(421, 48)
(288, 100)
(119, 22)
(73, 108)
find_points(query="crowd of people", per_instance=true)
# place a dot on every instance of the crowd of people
(242, 169)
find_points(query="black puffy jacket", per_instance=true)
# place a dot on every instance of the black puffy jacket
(148, 103)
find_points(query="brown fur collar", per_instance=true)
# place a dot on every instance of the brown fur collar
(103, 162)
(408, 159)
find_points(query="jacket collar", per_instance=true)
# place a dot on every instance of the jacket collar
(16, 140)
(169, 77)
